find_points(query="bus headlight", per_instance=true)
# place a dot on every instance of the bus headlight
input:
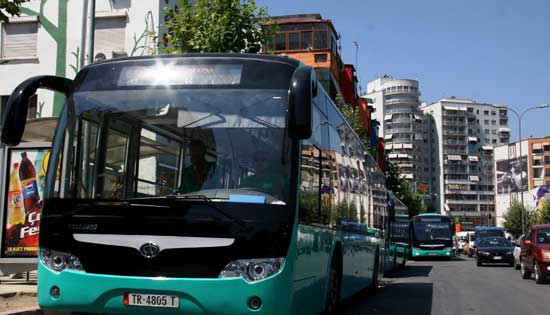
(252, 269)
(59, 261)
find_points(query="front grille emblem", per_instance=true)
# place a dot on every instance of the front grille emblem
(149, 250)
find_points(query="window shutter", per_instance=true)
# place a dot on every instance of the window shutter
(19, 39)
(110, 35)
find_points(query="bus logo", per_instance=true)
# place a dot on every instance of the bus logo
(149, 250)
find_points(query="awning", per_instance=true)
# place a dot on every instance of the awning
(398, 146)
(388, 116)
(453, 186)
(403, 156)
(392, 155)
(405, 165)
(472, 139)
(388, 137)
(407, 146)
(487, 147)
(464, 109)
(503, 129)
(389, 146)
(454, 157)
(537, 157)
(537, 146)
(447, 207)
(407, 176)
(417, 117)
(474, 178)
(473, 158)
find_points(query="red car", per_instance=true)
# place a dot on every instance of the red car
(535, 253)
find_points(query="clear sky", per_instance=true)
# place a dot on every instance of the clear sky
(492, 51)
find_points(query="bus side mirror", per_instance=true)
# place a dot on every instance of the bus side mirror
(303, 88)
(15, 118)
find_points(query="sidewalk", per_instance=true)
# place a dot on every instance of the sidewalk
(18, 296)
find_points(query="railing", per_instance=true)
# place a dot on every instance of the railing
(454, 123)
(455, 142)
(401, 101)
(458, 181)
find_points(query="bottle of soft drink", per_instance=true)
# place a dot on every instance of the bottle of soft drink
(27, 176)
(16, 212)
(40, 173)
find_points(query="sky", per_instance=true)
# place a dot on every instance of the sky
(489, 51)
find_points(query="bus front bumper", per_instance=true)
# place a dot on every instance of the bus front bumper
(96, 293)
(446, 252)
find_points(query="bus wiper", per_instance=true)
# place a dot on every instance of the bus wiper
(87, 205)
(211, 204)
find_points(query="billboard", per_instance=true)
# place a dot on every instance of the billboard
(25, 179)
(509, 177)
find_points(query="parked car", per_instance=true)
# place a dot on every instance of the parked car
(535, 253)
(495, 250)
(517, 251)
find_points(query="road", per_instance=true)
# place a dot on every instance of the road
(453, 287)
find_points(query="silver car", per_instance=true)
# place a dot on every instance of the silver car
(517, 252)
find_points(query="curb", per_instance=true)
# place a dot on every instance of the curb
(23, 311)
(16, 293)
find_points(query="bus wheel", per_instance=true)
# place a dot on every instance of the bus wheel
(333, 290)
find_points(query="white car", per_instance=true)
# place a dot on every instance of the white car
(517, 252)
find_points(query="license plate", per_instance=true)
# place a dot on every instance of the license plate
(151, 300)
(432, 254)
(497, 257)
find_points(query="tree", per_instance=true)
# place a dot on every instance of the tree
(216, 26)
(512, 219)
(12, 7)
(543, 214)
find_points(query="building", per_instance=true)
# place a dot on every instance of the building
(50, 38)
(526, 172)
(404, 127)
(464, 135)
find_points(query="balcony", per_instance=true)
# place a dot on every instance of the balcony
(400, 110)
(455, 142)
(403, 100)
(459, 123)
(457, 181)
(399, 130)
(454, 132)
(469, 202)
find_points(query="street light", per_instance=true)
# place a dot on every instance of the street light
(520, 116)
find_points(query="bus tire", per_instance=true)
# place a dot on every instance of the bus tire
(374, 285)
(334, 286)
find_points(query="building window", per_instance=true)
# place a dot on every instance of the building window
(110, 36)
(493, 113)
(280, 41)
(547, 172)
(547, 148)
(306, 40)
(485, 112)
(294, 41)
(321, 58)
(547, 160)
(486, 121)
(493, 122)
(487, 131)
(19, 40)
(494, 131)
(494, 141)
(321, 40)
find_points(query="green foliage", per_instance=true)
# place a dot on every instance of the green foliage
(11, 7)
(402, 190)
(543, 215)
(512, 219)
(216, 26)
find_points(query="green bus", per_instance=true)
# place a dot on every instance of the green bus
(432, 236)
(203, 184)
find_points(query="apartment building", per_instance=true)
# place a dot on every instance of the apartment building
(405, 128)
(521, 168)
(464, 135)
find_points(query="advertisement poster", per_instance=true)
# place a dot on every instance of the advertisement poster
(25, 191)
(509, 177)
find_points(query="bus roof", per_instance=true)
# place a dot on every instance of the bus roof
(430, 214)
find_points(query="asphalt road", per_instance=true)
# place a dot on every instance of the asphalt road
(453, 287)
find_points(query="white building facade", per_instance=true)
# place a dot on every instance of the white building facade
(50, 36)
(464, 135)
(405, 129)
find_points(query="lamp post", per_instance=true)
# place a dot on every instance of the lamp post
(520, 116)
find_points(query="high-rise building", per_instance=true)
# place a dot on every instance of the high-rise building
(404, 127)
(521, 171)
(464, 134)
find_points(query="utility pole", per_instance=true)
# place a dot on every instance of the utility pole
(91, 30)
(82, 53)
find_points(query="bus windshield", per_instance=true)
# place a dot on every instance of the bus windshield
(426, 231)
(141, 138)
(489, 233)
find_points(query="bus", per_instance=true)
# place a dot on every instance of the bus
(432, 236)
(203, 183)
(401, 240)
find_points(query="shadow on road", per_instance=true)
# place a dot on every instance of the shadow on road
(411, 271)
(413, 299)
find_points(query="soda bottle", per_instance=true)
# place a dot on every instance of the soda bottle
(29, 187)
(40, 173)
(16, 212)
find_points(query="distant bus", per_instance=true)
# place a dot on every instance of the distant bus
(401, 240)
(205, 183)
(432, 236)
